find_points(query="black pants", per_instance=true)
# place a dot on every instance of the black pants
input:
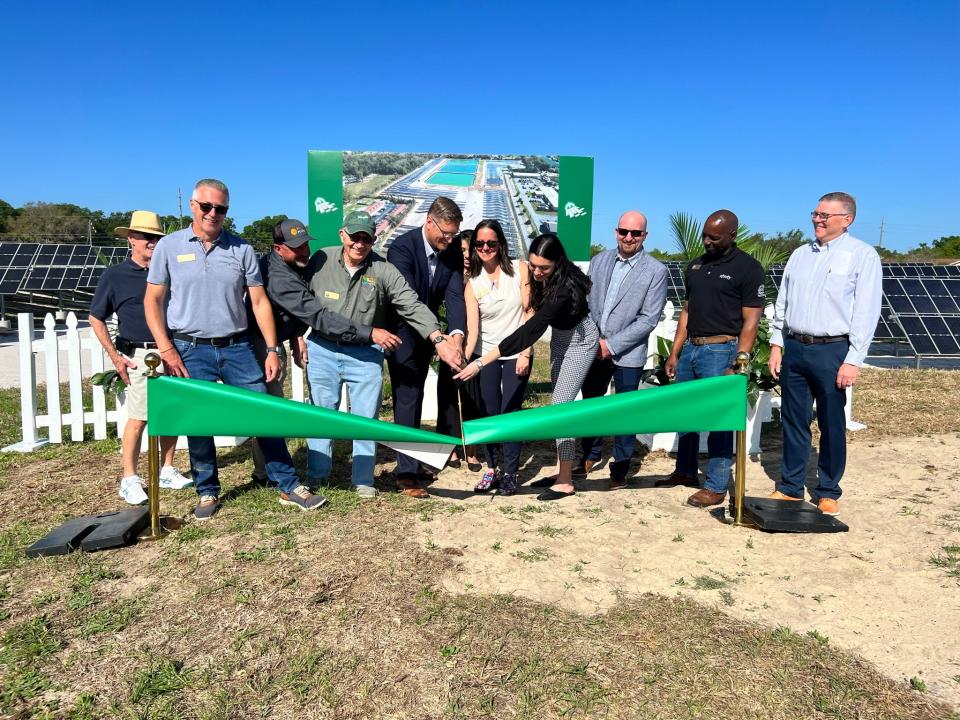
(502, 392)
(625, 379)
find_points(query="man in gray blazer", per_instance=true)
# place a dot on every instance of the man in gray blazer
(627, 297)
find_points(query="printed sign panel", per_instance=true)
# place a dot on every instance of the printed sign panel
(527, 194)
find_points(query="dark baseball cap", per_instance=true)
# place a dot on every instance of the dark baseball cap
(357, 222)
(294, 233)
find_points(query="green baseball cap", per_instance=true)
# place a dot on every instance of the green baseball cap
(357, 222)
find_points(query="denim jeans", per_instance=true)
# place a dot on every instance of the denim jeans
(234, 365)
(329, 367)
(502, 392)
(696, 362)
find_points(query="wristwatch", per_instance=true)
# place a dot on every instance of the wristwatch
(275, 349)
(438, 339)
(479, 363)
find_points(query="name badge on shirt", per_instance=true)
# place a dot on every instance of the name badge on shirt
(331, 295)
(695, 267)
(186, 257)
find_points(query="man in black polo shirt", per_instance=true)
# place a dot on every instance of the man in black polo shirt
(720, 318)
(120, 291)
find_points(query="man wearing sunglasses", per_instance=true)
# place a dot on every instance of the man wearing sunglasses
(720, 318)
(206, 271)
(433, 266)
(626, 299)
(359, 284)
(826, 313)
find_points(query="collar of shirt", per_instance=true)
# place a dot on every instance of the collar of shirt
(427, 247)
(632, 260)
(136, 266)
(725, 258)
(195, 237)
(829, 246)
(363, 266)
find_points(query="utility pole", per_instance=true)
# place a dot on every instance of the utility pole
(89, 232)
(881, 231)
(180, 207)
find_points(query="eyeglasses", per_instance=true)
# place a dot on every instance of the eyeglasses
(144, 236)
(487, 243)
(361, 239)
(623, 232)
(447, 235)
(217, 209)
(825, 216)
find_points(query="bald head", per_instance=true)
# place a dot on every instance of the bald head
(720, 232)
(630, 233)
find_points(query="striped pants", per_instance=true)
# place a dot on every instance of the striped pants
(571, 354)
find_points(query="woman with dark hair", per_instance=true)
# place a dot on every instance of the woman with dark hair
(498, 301)
(558, 296)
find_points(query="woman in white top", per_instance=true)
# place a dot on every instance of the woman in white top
(498, 302)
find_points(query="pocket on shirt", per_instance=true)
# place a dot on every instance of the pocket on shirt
(367, 302)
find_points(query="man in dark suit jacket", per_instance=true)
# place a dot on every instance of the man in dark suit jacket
(431, 264)
(626, 300)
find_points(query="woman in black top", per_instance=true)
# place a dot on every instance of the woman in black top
(559, 298)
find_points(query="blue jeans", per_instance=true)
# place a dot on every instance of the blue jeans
(233, 365)
(329, 366)
(625, 379)
(502, 392)
(696, 362)
(809, 373)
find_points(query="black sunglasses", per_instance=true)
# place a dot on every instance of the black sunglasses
(623, 232)
(487, 243)
(217, 209)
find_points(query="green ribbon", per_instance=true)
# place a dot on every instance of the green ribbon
(718, 403)
(182, 406)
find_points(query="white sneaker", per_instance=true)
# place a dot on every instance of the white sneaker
(131, 490)
(171, 479)
(367, 492)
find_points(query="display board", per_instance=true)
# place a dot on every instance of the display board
(527, 194)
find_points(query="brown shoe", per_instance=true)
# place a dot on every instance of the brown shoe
(829, 506)
(409, 487)
(777, 495)
(617, 483)
(677, 479)
(705, 498)
(584, 468)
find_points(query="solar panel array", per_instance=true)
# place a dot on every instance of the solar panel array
(54, 267)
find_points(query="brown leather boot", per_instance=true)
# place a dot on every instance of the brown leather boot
(705, 498)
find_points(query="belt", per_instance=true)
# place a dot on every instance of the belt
(712, 339)
(216, 342)
(133, 344)
(818, 339)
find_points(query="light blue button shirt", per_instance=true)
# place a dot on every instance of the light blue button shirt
(831, 289)
(621, 268)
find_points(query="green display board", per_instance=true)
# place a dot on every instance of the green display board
(528, 194)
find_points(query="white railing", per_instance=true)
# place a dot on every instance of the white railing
(80, 355)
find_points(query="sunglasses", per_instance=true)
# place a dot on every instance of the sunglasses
(487, 243)
(623, 232)
(361, 239)
(217, 209)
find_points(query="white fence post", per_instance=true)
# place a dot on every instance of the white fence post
(51, 358)
(99, 397)
(75, 374)
(28, 387)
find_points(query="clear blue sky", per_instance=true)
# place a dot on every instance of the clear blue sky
(757, 107)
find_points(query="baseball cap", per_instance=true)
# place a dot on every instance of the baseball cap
(294, 233)
(358, 221)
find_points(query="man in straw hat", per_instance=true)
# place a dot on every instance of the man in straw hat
(120, 291)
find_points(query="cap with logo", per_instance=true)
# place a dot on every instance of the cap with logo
(358, 222)
(294, 233)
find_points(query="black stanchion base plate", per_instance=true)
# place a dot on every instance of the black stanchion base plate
(788, 516)
(93, 532)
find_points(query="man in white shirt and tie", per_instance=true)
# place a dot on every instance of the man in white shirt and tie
(826, 313)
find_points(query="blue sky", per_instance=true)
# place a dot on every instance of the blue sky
(757, 107)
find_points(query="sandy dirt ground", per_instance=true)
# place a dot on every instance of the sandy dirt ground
(872, 590)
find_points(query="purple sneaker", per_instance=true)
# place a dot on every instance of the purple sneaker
(489, 481)
(508, 484)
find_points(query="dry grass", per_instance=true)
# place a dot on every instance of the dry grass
(907, 402)
(269, 612)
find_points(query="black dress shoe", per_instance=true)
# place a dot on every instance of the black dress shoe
(474, 467)
(677, 479)
(550, 494)
(454, 462)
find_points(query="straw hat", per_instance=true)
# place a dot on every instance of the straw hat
(142, 221)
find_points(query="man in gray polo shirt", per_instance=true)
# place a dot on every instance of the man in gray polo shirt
(206, 271)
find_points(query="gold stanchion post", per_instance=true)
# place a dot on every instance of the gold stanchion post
(740, 477)
(159, 527)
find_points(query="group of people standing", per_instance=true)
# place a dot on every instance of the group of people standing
(199, 298)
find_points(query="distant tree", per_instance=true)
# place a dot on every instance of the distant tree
(7, 211)
(50, 222)
(888, 254)
(596, 250)
(259, 233)
(947, 247)
(663, 256)
(788, 241)
(229, 225)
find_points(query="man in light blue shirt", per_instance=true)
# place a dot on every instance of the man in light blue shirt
(826, 313)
